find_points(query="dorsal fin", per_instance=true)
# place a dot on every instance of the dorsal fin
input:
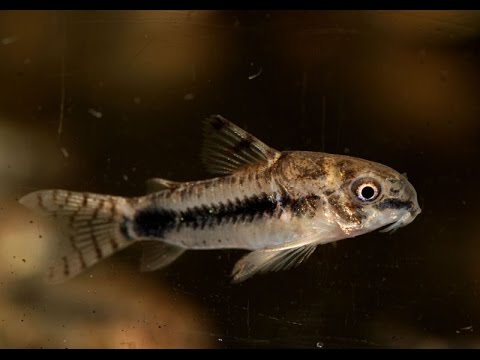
(227, 148)
(158, 184)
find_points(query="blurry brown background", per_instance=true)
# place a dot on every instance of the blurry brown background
(101, 101)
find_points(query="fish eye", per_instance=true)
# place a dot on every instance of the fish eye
(366, 190)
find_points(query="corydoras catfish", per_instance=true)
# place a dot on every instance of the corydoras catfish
(278, 205)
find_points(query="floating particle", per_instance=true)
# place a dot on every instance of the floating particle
(95, 113)
(422, 54)
(257, 74)
(125, 177)
(189, 96)
(444, 75)
(64, 152)
(8, 40)
(137, 100)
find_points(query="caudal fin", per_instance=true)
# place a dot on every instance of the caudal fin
(95, 226)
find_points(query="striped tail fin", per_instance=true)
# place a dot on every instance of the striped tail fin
(95, 226)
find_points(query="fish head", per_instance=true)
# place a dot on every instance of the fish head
(371, 196)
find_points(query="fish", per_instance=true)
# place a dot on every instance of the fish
(278, 205)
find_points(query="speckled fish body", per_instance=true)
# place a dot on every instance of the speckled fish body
(278, 205)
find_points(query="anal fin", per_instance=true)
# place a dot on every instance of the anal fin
(261, 261)
(157, 255)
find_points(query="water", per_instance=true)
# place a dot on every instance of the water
(107, 100)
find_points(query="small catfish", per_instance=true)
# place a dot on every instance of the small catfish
(278, 205)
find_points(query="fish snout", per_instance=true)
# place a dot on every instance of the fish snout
(411, 195)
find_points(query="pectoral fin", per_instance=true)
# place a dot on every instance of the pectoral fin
(261, 261)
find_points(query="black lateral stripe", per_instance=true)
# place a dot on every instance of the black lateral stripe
(156, 222)
(153, 222)
(302, 206)
(245, 210)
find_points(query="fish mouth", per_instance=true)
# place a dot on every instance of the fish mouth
(406, 219)
(392, 227)
(385, 228)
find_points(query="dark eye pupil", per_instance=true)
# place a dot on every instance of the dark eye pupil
(368, 192)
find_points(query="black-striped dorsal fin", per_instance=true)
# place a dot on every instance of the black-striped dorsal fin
(227, 148)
